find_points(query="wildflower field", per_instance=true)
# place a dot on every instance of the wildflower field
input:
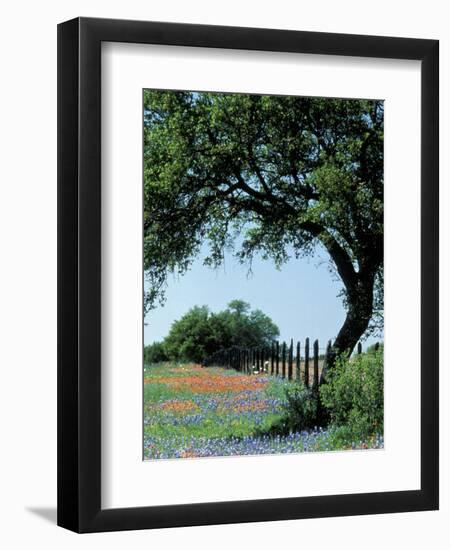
(190, 411)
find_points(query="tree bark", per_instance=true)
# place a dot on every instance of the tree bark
(355, 324)
(359, 313)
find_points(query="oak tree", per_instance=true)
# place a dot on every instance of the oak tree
(273, 176)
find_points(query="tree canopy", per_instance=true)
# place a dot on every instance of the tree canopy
(200, 333)
(284, 174)
(155, 353)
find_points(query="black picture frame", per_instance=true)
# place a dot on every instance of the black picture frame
(79, 274)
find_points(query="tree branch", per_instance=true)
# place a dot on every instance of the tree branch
(248, 189)
(256, 169)
(340, 257)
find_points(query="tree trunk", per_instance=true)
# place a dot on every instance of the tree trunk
(355, 325)
(359, 313)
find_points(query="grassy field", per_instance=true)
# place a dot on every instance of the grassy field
(190, 411)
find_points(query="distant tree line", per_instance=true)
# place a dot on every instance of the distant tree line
(200, 333)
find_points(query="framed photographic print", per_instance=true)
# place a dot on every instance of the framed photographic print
(247, 276)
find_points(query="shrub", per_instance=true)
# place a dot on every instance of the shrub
(300, 410)
(301, 406)
(353, 395)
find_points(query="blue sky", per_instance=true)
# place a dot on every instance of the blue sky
(302, 298)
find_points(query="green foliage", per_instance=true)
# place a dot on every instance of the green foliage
(353, 394)
(245, 327)
(155, 353)
(199, 333)
(373, 347)
(300, 410)
(349, 404)
(282, 173)
(194, 336)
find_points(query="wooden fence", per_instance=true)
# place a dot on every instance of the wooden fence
(294, 362)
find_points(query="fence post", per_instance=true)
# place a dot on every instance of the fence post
(277, 358)
(291, 359)
(328, 357)
(359, 348)
(298, 362)
(272, 358)
(307, 362)
(316, 363)
(283, 360)
(329, 347)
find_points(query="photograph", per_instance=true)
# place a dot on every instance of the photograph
(263, 310)
(226, 267)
